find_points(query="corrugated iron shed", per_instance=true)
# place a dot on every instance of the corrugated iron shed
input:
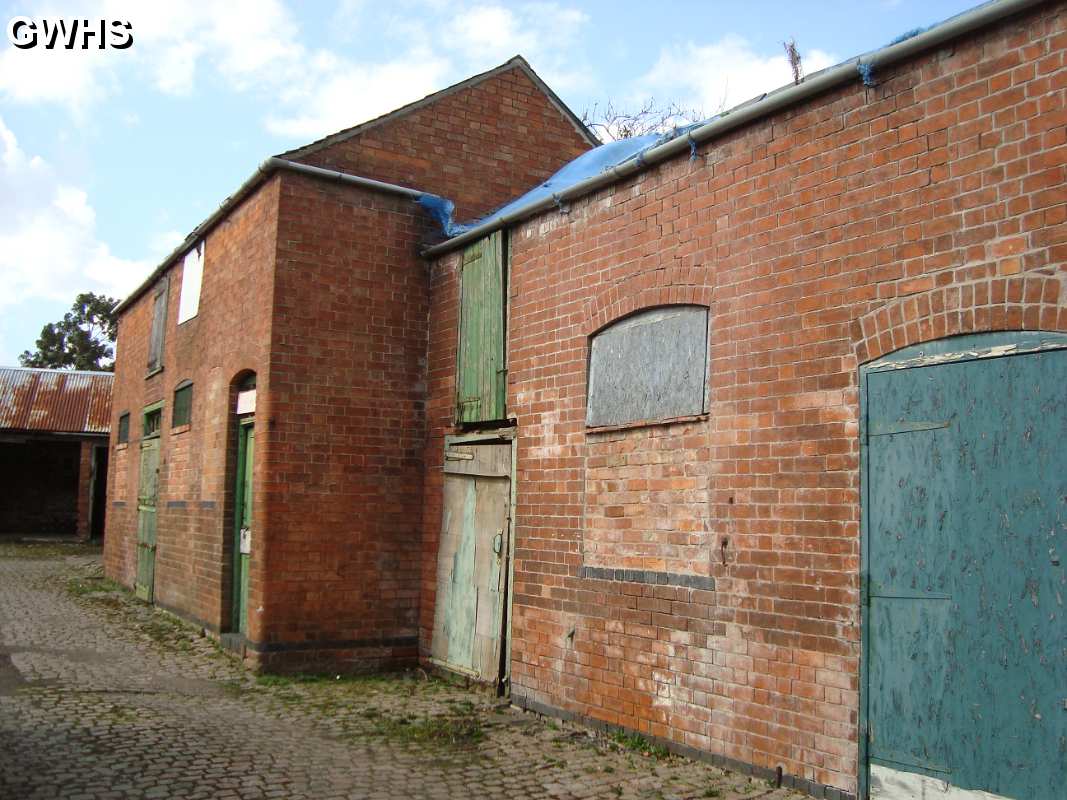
(57, 400)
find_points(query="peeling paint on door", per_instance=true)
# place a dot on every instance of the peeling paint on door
(469, 618)
(965, 515)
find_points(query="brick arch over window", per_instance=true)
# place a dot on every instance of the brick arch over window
(647, 290)
(1034, 301)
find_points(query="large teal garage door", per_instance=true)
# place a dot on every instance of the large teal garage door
(965, 521)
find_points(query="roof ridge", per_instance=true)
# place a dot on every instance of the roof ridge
(516, 61)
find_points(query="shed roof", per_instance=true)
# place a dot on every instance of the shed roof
(55, 400)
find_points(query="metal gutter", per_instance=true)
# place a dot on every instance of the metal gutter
(264, 171)
(755, 109)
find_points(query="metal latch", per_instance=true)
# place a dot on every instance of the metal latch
(244, 544)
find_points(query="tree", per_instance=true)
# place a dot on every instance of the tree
(83, 339)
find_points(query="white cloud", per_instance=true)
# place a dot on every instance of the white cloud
(722, 74)
(256, 46)
(339, 94)
(48, 243)
(546, 33)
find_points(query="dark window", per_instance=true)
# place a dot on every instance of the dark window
(183, 404)
(124, 428)
(153, 419)
(648, 367)
(159, 326)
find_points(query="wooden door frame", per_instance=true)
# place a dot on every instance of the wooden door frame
(498, 436)
(244, 422)
(950, 350)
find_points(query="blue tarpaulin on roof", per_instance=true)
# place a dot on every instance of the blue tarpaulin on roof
(585, 166)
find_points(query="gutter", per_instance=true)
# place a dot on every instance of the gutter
(763, 106)
(264, 171)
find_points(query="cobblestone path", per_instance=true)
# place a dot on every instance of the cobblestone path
(104, 697)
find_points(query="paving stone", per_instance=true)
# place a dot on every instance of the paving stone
(105, 698)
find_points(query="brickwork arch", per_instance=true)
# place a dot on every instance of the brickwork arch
(650, 289)
(1027, 301)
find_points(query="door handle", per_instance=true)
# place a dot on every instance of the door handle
(498, 542)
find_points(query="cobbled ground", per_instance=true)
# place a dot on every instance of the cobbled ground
(104, 697)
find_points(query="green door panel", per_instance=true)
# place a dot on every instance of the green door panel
(966, 520)
(469, 615)
(481, 375)
(147, 499)
(243, 535)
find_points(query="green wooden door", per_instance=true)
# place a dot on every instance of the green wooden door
(481, 375)
(246, 444)
(147, 495)
(966, 527)
(469, 617)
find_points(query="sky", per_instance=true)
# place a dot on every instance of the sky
(110, 157)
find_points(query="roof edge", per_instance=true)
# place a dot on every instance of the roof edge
(262, 173)
(764, 105)
(61, 371)
(513, 62)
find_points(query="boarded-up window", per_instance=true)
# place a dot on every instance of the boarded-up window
(482, 376)
(192, 276)
(650, 366)
(124, 428)
(159, 326)
(183, 404)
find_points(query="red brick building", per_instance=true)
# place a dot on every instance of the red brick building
(629, 450)
(271, 379)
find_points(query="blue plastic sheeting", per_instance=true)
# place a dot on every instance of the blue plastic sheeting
(587, 165)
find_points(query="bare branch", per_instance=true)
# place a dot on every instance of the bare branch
(611, 123)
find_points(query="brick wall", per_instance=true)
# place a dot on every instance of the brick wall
(343, 482)
(824, 236)
(229, 336)
(480, 146)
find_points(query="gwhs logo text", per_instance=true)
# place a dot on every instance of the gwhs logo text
(26, 33)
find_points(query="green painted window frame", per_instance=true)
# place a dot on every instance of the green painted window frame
(152, 421)
(123, 428)
(182, 413)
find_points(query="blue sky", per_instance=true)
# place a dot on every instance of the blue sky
(108, 158)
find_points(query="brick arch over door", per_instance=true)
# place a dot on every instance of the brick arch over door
(1029, 301)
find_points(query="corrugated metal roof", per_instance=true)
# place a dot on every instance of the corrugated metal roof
(55, 400)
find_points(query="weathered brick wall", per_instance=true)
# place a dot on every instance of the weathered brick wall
(479, 146)
(229, 335)
(440, 419)
(344, 480)
(84, 489)
(862, 221)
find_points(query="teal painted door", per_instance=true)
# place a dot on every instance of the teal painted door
(147, 495)
(246, 445)
(469, 619)
(966, 520)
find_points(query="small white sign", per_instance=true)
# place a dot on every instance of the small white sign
(246, 402)
(245, 543)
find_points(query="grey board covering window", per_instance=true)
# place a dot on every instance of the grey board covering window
(183, 404)
(159, 327)
(124, 428)
(649, 366)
